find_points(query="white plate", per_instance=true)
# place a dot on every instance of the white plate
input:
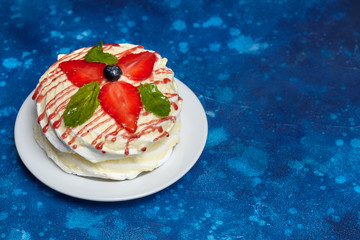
(193, 136)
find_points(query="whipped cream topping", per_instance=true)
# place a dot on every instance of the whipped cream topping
(101, 139)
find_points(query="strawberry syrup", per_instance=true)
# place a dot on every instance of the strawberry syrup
(149, 127)
(43, 89)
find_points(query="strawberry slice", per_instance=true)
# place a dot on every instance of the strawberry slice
(137, 66)
(121, 100)
(81, 72)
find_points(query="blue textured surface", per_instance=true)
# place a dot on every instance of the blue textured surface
(279, 81)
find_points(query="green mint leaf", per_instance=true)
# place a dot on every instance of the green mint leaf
(96, 54)
(82, 105)
(153, 100)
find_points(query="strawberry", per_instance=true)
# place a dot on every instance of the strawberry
(121, 101)
(137, 66)
(80, 72)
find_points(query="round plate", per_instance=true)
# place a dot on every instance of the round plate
(193, 136)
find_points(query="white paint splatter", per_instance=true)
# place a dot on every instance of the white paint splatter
(56, 34)
(179, 25)
(83, 34)
(226, 95)
(213, 22)
(184, 47)
(210, 114)
(11, 63)
(7, 111)
(355, 143)
(217, 136)
(245, 44)
(82, 219)
(131, 24)
(214, 47)
(339, 142)
(340, 179)
(234, 32)
(251, 162)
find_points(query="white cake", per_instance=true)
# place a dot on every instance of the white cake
(102, 146)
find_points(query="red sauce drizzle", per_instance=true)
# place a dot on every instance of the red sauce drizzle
(80, 132)
(83, 134)
(149, 127)
(122, 54)
(80, 54)
(163, 70)
(175, 106)
(151, 78)
(42, 95)
(165, 134)
(52, 102)
(115, 133)
(39, 87)
(66, 133)
(100, 136)
(75, 55)
(107, 47)
(171, 95)
(145, 113)
(43, 89)
(57, 123)
(164, 81)
(54, 114)
(99, 146)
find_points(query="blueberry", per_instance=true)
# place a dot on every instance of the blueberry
(112, 72)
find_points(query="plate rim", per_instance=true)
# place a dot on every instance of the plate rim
(19, 140)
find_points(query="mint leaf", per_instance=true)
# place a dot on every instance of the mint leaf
(153, 100)
(82, 105)
(96, 54)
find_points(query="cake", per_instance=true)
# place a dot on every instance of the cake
(109, 111)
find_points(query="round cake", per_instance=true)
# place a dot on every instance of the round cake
(108, 111)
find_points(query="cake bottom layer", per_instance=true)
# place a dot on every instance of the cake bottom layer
(117, 169)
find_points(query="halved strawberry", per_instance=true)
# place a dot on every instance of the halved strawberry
(121, 101)
(80, 72)
(137, 66)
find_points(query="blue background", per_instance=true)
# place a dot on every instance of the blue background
(279, 81)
